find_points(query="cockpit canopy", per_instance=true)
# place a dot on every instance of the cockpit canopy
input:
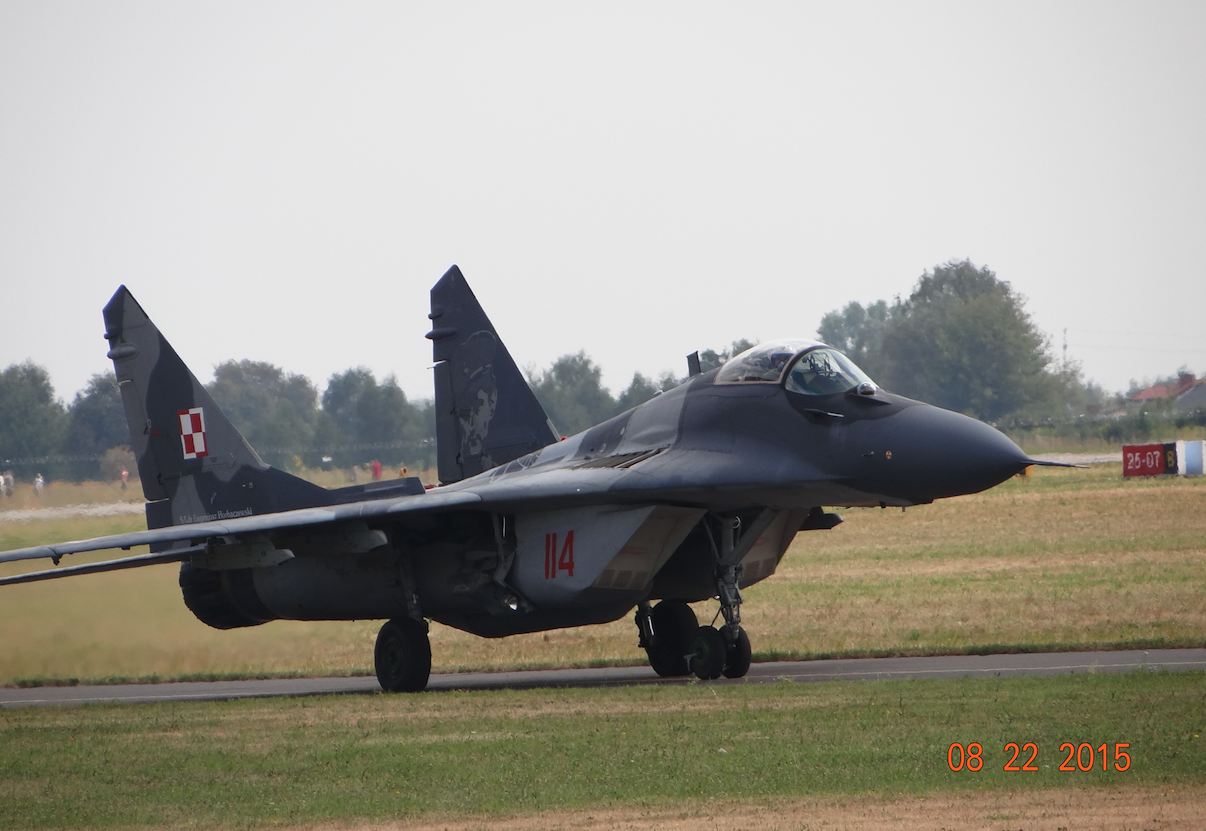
(810, 368)
(764, 362)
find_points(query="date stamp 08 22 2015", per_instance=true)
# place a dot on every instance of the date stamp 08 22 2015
(1080, 757)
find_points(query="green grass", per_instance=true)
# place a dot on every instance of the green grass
(256, 763)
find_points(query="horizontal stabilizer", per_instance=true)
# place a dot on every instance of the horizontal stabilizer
(176, 556)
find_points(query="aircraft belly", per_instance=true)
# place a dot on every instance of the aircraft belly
(348, 587)
(595, 554)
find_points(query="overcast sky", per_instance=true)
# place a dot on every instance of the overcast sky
(285, 181)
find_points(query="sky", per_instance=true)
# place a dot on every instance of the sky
(285, 181)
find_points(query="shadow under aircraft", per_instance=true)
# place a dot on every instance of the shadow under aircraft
(693, 495)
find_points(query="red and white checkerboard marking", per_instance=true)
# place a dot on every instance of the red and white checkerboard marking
(192, 433)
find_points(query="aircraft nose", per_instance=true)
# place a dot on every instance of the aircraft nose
(939, 453)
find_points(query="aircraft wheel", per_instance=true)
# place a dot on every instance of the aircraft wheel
(402, 656)
(738, 656)
(708, 648)
(674, 625)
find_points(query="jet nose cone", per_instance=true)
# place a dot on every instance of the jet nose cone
(939, 453)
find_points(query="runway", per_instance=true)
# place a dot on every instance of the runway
(862, 669)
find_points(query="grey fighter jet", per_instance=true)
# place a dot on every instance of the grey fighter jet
(693, 495)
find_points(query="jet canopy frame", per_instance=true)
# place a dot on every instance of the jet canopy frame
(802, 366)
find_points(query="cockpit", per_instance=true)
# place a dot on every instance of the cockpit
(803, 366)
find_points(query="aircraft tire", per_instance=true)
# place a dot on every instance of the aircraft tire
(708, 653)
(738, 656)
(674, 624)
(402, 656)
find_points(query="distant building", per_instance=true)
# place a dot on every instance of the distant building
(1194, 399)
(1158, 392)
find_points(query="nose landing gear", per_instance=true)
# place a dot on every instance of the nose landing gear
(670, 633)
(707, 653)
(677, 645)
(738, 655)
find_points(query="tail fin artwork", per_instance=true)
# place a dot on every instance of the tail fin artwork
(486, 414)
(194, 464)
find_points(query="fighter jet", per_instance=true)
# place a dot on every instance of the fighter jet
(693, 495)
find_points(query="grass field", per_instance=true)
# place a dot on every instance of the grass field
(1070, 558)
(377, 758)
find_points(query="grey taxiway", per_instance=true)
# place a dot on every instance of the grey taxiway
(862, 669)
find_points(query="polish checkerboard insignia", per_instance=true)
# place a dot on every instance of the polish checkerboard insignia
(192, 433)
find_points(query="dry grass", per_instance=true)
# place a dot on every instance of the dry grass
(1095, 560)
(342, 477)
(60, 494)
(1046, 440)
(1072, 557)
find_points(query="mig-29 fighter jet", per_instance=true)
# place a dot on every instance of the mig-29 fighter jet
(692, 495)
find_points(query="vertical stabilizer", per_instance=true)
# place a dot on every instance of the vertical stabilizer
(194, 464)
(486, 414)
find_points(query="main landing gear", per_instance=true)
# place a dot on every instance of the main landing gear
(677, 645)
(403, 655)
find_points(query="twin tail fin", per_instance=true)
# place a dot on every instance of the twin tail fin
(194, 465)
(486, 414)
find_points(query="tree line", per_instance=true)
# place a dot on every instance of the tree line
(964, 341)
(357, 418)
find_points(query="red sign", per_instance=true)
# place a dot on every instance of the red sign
(1143, 460)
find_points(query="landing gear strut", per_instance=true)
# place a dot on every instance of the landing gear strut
(727, 652)
(738, 653)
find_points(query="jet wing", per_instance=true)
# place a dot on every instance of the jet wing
(425, 502)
